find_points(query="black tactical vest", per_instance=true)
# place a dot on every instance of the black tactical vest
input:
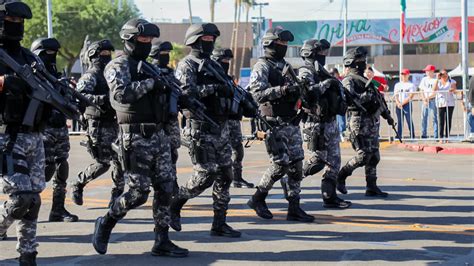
(283, 107)
(13, 106)
(101, 89)
(150, 108)
(218, 104)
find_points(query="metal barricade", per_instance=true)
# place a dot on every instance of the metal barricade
(436, 119)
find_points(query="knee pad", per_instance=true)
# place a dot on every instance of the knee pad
(136, 198)
(25, 205)
(227, 174)
(278, 171)
(295, 171)
(49, 171)
(63, 170)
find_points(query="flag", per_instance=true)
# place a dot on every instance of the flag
(403, 7)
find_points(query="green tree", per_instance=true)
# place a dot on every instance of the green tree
(74, 19)
(178, 52)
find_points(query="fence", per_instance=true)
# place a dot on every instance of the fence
(456, 129)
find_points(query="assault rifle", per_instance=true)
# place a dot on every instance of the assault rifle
(189, 102)
(41, 91)
(349, 95)
(64, 84)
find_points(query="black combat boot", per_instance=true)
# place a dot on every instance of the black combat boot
(77, 190)
(295, 213)
(114, 194)
(58, 211)
(373, 190)
(175, 213)
(239, 182)
(341, 180)
(103, 229)
(221, 228)
(163, 245)
(3, 236)
(257, 202)
(336, 203)
(28, 259)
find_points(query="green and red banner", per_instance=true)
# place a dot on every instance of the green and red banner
(403, 6)
(380, 31)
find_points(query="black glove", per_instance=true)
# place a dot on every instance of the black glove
(15, 84)
(160, 85)
(290, 89)
(390, 121)
(225, 90)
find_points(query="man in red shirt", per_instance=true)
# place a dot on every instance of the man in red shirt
(369, 74)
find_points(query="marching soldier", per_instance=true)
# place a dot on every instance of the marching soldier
(223, 57)
(363, 126)
(144, 150)
(55, 138)
(279, 99)
(101, 123)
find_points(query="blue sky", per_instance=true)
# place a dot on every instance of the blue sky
(293, 10)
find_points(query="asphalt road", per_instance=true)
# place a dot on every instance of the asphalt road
(427, 220)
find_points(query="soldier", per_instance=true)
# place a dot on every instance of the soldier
(55, 137)
(210, 149)
(145, 153)
(223, 57)
(160, 52)
(363, 126)
(278, 97)
(23, 161)
(325, 99)
(102, 128)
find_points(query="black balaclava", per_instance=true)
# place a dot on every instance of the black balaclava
(49, 61)
(202, 48)
(13, 32)
(103, 60)
(225, 66)
(276, 51)
(321, 59)
(137, 50)
(163, 60)
(360, 67)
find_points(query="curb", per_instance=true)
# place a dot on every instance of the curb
(436, 149)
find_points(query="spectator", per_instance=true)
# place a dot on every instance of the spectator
(429, 104)
(404, 92)
(446, 88)
(341, 119)
(369, 74)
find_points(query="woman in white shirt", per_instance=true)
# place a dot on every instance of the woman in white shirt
(404, 92)
(445, 90)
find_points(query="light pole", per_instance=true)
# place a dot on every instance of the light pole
(49, 18)
(464, 59)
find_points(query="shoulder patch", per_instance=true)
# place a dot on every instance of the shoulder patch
(110, 75)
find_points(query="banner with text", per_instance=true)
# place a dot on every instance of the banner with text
(379, 31)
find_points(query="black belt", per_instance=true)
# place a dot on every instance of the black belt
(280, 120)
(205, 127)
(146, 129)
(15, 129)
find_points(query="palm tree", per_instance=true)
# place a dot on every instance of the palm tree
(247, 5)
(235, 30)
(212, 5)
(190, 12)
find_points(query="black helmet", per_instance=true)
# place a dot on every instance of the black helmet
(197, 30)
(353, 54)
(13, 8)
(96, 47)
(312, 46)
(43, 44)
(138, 27)
(277, 34)
(158, 46)
(221, 53)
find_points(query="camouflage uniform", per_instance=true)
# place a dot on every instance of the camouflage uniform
(29, 161)
(149, 153)
(210, 150)
(102, 131)
(364, 136)
(286, 131)
(235, 131)
(322, 133)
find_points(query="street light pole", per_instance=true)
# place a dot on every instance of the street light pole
(49, 18)
(464, 59)
(344, 40)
